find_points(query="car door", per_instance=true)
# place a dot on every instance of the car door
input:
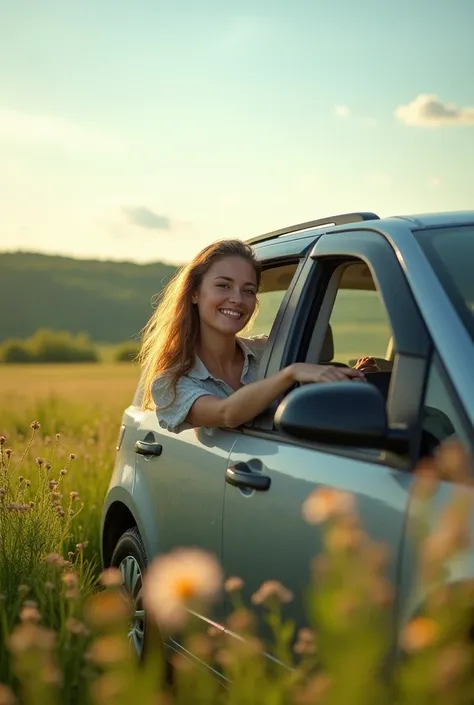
(265, 536)
(182, 487)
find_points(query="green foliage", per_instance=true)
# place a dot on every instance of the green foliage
(127, 352)
(49, 346)
(111, 301)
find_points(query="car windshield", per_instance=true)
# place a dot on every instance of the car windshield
(450, 251)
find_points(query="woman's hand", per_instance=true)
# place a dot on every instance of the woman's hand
(366, 364)
(305, 373)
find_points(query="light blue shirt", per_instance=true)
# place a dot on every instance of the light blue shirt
(199, 382)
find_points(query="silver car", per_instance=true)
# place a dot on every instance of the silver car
(398, 289)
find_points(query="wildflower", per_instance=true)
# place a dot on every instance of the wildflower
(29, 613)
(325, 503)
(52, 484)
(40, 462)
(81, 546)
(272, 590)
(47, 466)
(55, 560)
(74, 496)
(76, 627)
(58, 436)
(72, 456)
(8, 452)
(20, 479)
(7, 696)
(233, 585)
(27, 483)
(2, 440)
(56, 496)
(305, 643)
(111, 577)
(60, 511)
(71, 583)
(419, 634)
(71, 555)
(242, 620)
(179, 580)
(201, 645)
(35, 425)
(107, 608)
(31, 636)
(63, 472)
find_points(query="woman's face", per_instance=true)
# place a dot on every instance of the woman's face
(227, 296)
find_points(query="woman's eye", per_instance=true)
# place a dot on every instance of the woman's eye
(251, 292)
(223, 286)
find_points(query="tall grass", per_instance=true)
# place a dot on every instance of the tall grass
(64, 625)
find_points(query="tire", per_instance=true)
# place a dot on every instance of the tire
(130, 557)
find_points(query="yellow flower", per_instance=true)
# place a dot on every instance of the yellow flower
(178, 581)
(324, 503)
(419, 634)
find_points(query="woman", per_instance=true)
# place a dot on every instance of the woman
(198, 371)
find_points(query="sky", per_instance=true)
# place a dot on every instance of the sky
(144, 129)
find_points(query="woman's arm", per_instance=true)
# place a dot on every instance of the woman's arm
(252, 399)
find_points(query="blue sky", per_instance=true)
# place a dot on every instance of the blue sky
(143, 130)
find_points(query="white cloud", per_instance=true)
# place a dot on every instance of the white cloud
(42, 129)
(434, 182)
(428, 110)
(342, 111)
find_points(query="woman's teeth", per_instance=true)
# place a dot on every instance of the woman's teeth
(230, 313)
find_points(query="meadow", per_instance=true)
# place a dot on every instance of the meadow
(63, 636)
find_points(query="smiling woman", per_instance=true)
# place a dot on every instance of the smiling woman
(198, 371)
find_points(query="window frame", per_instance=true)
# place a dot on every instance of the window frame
(411, 339)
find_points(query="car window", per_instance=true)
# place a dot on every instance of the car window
(274, 285)
(441, 416)
(450, 251)
(358, 321)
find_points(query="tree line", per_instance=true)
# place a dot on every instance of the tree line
(48, 346)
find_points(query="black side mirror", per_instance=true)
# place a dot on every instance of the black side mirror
(339, 413)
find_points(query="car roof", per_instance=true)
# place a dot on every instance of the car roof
(296, 239)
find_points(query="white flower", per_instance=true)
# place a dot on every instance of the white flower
(178, 581)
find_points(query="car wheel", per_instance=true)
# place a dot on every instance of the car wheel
(130, 558)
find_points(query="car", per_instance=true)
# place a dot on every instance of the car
(399, 289)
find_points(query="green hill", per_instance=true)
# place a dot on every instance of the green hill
(109, 300)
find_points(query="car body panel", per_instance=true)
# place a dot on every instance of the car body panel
(265, 534)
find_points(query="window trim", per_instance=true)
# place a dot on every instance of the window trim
(435, 361)
(413, 347)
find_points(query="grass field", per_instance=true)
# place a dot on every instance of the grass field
(88, 662)
(83, 403)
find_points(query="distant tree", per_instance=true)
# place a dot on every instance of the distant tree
(61, 346)
(49, 346)
(15, 351)
(127, 352)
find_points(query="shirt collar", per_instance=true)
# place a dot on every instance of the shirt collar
(200, 371)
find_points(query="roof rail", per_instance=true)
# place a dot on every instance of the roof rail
(341, 219)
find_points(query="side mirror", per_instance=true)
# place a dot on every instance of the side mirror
(340, 413)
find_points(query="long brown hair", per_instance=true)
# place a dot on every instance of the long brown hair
(170, 336)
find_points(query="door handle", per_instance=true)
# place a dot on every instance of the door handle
(241, 475)
(148, 448)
